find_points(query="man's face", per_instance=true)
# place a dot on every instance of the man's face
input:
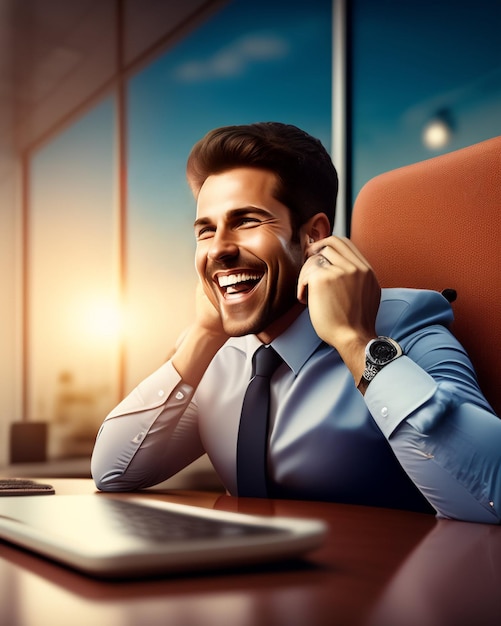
(245, 258)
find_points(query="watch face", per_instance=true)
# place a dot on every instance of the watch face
(382, 351)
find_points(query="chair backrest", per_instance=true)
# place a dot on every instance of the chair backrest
(437, 225)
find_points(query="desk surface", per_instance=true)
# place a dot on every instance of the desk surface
(377, 568)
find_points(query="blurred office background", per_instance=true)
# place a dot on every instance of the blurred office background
(100, 103)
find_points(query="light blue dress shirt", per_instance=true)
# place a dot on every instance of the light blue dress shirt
(422, 438)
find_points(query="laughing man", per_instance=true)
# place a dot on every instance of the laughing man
(373, 402)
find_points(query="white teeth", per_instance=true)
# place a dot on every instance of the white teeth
(233, 279)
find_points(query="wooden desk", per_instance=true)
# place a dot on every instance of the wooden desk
(378, 568)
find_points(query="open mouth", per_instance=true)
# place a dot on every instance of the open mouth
(240, 283)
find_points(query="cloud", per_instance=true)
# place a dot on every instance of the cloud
(235, 59)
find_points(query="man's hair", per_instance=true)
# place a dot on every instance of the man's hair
(307, 178)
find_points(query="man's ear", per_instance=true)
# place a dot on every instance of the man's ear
(316, 228)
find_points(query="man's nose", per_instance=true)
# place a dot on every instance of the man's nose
(223, 246)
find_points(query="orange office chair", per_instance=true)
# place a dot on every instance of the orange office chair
(437, 225)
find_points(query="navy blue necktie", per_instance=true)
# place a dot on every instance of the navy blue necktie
(252, 444)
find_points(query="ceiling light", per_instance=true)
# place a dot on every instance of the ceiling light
(438, 131)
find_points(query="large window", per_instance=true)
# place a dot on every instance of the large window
(73, 289)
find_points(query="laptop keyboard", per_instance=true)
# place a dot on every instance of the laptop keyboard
(154, 524)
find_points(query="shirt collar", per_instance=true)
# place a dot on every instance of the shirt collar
(298, 342)
(295, 345)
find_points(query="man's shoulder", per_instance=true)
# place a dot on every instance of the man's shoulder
(402, 311)
(414, 296)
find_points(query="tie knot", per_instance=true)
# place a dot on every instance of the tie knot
(265, 361)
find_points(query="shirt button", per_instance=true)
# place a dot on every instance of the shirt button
(161, 393)
(384, 411)
(179, 395)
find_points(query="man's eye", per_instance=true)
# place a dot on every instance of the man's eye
(205, 232)
(249, 221)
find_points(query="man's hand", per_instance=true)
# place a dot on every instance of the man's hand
(199, 343)
(207, 316)
(343, 296)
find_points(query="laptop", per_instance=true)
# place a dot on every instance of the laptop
(117, 536)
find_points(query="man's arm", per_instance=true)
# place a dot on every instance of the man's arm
(153, 432)
(343, 295)
(426, 403)
(439, 425)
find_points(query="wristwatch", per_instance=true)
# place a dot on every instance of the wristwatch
(378, 353)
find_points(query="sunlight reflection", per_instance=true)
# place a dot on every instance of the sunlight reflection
(102, 320)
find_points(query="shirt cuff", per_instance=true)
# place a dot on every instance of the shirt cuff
(396, 392)
(164, 384)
